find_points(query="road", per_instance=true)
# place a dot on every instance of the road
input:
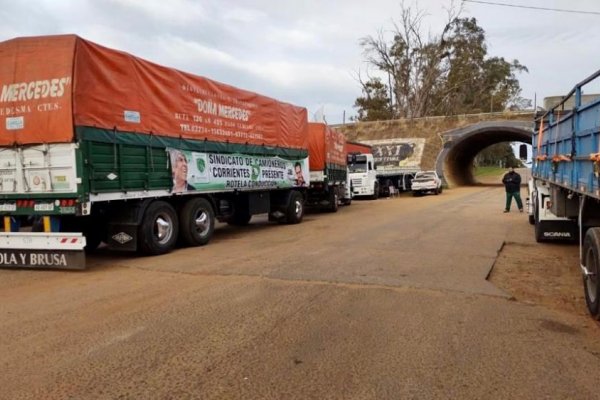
(385, 299)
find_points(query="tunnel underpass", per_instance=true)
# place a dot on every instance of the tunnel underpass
(455, 161)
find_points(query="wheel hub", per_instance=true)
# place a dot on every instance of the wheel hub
(202, 223)
(163, 229)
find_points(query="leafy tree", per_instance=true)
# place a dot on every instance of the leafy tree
(499, 153)
(374, 105)
(445, 74)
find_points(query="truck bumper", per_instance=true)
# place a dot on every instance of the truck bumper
(38, 250)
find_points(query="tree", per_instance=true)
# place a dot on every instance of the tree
(499, 153)
(374, 105)
(444, 74)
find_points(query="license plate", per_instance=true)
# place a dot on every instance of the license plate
(8, 207)
(43, 207)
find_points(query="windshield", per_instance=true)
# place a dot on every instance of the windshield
(357, 163)
(358, 167)
(425, 175)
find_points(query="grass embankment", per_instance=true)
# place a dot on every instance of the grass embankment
(488, 171)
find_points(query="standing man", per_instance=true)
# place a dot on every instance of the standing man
(512, 183)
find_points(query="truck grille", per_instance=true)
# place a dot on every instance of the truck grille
(357, 182)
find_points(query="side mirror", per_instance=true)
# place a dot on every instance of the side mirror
(523, 152)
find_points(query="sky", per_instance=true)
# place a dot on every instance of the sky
(307, 52)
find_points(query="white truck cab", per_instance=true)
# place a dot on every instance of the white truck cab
(363, 175)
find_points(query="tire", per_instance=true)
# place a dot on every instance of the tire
(196, 222)
(333, 201)
(441, 189)
(375, 191)
(158, 232)
(416, 193)
(591, 260)
(295, 208)
(531, 219)
(436, 191)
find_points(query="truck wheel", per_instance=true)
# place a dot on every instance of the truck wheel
(196, 222)
(295, 208)
(436, 191)
(532, 220)
(159, 229)
(591, 260)
(333, 201)
(375, 191)
(441, 189)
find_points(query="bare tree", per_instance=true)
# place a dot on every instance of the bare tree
(413, 61)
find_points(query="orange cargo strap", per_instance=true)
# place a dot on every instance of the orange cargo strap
(540, 136)
(561, 157)
(541, 157)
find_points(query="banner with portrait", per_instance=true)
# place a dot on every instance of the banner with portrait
(217, 172)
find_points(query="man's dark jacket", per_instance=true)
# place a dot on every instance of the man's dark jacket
(512, 182)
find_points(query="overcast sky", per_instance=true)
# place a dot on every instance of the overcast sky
(306, 52)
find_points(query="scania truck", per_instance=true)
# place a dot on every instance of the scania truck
(565, 187)
(97, 145)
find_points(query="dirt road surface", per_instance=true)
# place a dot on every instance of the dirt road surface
(385, 299)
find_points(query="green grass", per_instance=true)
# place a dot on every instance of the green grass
(488, 171)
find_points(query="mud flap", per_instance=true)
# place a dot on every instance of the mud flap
(37, 250)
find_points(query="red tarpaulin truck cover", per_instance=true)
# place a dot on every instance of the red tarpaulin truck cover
(352, 147)
(325, 146)
(50, 84)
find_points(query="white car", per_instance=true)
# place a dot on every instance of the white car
(426, 182)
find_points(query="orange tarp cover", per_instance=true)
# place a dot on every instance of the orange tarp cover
(325, 146)
(352, 147)
(84, 84)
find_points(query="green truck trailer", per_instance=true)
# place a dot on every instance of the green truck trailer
(100, 146)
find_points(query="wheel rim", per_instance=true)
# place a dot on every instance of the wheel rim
(298, 208)
(590, 280)
(163, 228)
(202, 222)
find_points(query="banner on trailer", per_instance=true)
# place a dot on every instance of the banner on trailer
(211, 171)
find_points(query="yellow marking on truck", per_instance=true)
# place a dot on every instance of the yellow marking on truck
(46, 220)
(6, 224)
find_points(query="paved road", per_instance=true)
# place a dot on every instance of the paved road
(383, 300)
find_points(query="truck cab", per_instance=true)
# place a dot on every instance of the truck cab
(363, 175)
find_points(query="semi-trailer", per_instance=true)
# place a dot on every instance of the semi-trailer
(328, 170)
(97, 145)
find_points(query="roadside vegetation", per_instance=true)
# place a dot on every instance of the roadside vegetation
(488, 171)
(413, 72)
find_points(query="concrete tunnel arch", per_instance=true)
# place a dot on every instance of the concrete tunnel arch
(455, 160)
